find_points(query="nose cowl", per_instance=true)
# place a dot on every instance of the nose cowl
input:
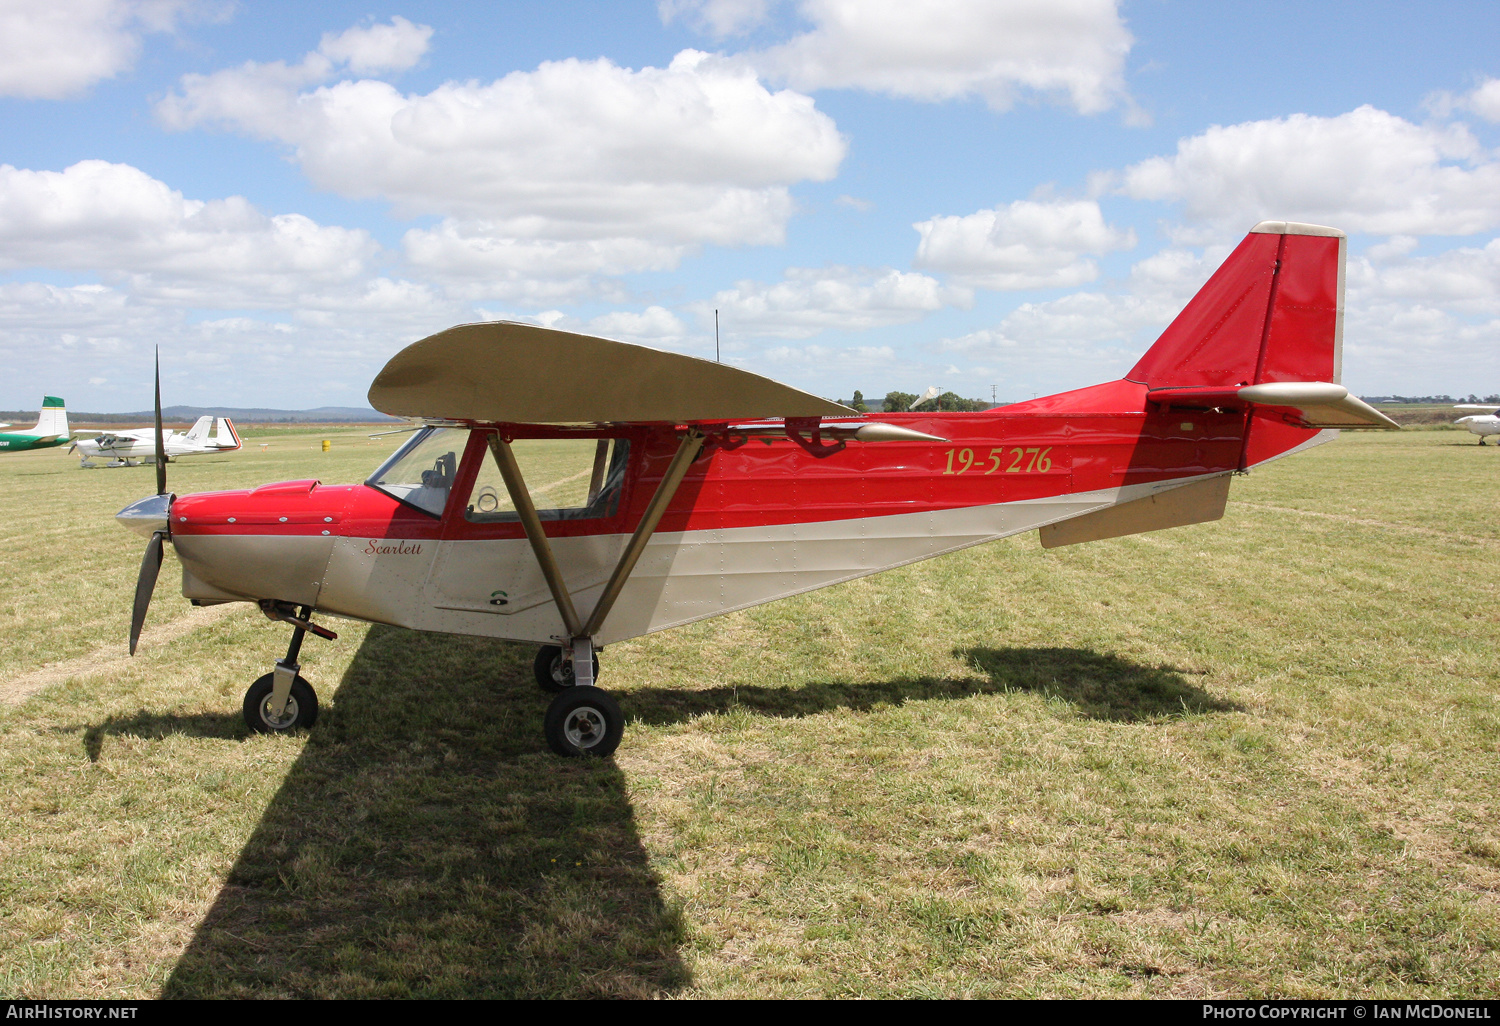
(147, 516)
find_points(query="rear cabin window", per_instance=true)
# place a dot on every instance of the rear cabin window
(567, 478)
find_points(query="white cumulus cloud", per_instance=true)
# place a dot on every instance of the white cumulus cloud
(1025, 245)
(1364, 171)
(947, 49)
(717, 18)
(1466, 279)
(117, 220)
(377, 48)
(1483, 99)
(59, 48)
(810, 300)
(589, 166)
(482, 261)
(654, 324)
(1086, 337)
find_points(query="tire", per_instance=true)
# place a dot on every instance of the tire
(584, 722)
(301, 707)
(552, 674)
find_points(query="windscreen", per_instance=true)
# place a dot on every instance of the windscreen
(422, 471)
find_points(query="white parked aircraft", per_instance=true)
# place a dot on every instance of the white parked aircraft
(1481, 424)
(128, 448)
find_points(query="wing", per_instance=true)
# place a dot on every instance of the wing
(504, 372)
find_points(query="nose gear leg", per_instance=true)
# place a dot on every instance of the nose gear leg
(285, 673)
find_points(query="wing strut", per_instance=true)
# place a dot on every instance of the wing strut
(510, 470)
(687, 451)
(580, 635)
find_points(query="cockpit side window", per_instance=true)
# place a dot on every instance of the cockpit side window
(567, 478)
(421, 473)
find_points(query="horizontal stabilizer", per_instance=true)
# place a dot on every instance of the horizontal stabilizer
(1316, 404)
(1194, 503)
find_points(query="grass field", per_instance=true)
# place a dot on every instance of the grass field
(1250, 758)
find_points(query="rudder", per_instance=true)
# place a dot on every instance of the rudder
(52, 422)
(198, 433)
(225, 437)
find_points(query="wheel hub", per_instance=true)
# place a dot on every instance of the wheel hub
(286, 719)
(584, 727)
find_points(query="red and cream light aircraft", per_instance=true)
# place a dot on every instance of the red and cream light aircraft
(573, 492)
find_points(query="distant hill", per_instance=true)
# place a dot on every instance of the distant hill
(321, 415)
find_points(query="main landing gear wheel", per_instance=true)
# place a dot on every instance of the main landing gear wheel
(584, 722)
(552, 674)
(301, 707)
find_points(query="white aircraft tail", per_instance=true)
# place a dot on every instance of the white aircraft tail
(198, 433)
(53, 421)
(224, 435)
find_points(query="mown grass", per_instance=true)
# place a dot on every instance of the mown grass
(1249, 758)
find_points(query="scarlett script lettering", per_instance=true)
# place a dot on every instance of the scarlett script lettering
(400, 548)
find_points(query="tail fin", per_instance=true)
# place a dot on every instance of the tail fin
(1266, 332)
(224, 435)
(53, 421)
(198, 433)
(1272, 312)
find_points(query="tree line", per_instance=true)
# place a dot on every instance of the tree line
(900, 402)
(1430, 399)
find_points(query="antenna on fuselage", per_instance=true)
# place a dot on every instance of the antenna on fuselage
(716, 338)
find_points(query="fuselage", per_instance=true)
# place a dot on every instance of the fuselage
(19, 441)
(754, 520)
(51, 429)
(141, 444)
(1481, 425)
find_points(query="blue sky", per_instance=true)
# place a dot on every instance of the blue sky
(991, 197)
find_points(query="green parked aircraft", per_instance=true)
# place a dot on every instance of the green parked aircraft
(51, 429)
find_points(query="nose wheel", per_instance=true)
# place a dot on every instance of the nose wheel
(281, 701)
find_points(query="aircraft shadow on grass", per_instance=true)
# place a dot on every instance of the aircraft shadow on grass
(426, 844)
(156, 726)
(1098, 686)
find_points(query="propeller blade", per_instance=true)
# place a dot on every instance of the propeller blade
(161, 488)
(144, 586)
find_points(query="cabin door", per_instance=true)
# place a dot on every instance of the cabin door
(485, 569)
